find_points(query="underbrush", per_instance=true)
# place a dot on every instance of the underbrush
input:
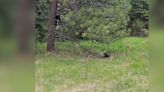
(82, 47)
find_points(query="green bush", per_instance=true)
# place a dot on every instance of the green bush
(98, 23)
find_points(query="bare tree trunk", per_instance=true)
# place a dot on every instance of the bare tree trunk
(25, 26)
(51, 27)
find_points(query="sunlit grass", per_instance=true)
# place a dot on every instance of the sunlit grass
(124, 72)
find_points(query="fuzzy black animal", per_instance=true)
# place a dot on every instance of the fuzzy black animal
(106, 55)
(57, 19)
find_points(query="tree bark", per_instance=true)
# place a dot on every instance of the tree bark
(25, 26)
(51, 27)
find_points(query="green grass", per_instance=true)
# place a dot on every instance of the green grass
(85, 46)
(123, 72)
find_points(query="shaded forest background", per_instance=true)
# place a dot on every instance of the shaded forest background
(101, 21)
(75, 21)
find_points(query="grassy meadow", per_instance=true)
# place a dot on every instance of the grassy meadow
(126, 70)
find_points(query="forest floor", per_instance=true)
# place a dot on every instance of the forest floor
(123, 72)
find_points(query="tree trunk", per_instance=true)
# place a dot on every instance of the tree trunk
(25, 26)
(51, 27)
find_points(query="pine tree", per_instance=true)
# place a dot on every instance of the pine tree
(51, 27)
